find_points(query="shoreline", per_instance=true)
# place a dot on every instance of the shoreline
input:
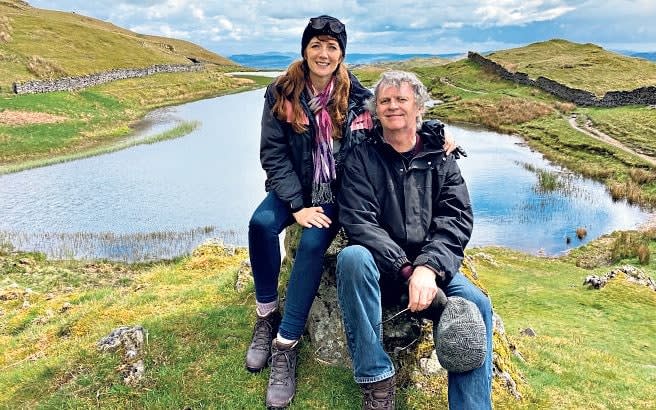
(180, 130)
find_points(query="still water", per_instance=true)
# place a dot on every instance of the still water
(208, 183)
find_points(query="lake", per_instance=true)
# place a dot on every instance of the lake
(161, 200)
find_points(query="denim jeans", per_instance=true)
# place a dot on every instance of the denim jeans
(268, 220)
(359, 293)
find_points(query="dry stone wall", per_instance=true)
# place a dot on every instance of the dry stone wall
(76, 83)
(639, 96)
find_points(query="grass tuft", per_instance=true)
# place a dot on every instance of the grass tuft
(178, 131)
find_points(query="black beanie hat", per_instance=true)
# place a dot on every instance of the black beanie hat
(325, 26)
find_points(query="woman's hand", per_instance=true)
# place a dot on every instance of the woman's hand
(449, 144)
(313, 216)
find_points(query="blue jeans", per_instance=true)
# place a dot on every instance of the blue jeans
(359, 292)
(268, 220)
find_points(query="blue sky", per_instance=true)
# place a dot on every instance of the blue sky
(375, 26)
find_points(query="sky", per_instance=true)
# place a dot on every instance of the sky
(229, 27)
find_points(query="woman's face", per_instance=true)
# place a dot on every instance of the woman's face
(323, 55)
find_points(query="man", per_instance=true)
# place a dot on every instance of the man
(406, 210)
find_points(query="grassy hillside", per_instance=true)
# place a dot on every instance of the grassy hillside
(584, 66)
(470, 94)
(42, 128)
(199, 326)
(45, 44)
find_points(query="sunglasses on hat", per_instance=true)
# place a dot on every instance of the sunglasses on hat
(318, 23)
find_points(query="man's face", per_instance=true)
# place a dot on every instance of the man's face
(396, 108)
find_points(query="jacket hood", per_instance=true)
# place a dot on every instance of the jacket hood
(432, 134)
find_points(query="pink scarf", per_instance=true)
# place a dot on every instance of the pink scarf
(324, 162)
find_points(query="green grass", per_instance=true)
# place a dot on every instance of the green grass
(586, 339)
(584, 66)
(199, 327)
(633, 126)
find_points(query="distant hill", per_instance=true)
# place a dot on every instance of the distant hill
(37, 43)
(280, 61)
(646, 56)
(584, 66)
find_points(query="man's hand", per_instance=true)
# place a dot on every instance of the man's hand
(313, 216)
(421, 288)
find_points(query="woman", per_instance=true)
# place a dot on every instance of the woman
(313, 116)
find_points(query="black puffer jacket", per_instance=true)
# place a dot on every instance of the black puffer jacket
(287, 156)
(419, 214)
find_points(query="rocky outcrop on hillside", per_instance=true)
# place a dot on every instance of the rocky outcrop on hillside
(639, 96)
(628, 272)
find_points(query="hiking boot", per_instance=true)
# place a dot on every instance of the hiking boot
(379, 395)
(257, 355)
(282, 381)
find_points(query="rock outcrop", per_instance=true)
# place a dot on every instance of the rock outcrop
(630, 273)
(409, 341)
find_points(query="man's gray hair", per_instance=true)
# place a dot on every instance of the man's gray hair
(395, 79)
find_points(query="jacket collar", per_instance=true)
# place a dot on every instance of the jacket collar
(431, 132)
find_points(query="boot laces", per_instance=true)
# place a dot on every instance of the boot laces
(281, 366)
(262, 334)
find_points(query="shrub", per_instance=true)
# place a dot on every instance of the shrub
(581, 232)
(632, 244)
(564, 107)
(643, 254)
(43, 68)
(641, 175)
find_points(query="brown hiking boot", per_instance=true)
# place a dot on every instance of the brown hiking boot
(379, 395)
(282, 381)
(258, 352)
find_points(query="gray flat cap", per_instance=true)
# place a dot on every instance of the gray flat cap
(460, 338)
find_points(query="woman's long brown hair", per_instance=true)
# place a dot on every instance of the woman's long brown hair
(290, 85)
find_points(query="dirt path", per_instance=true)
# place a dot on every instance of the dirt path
(588, 129)
(446, 81)
(10, 117)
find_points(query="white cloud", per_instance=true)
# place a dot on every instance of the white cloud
(198, 12)
(161, 30)
(229, 26)
(510, 12)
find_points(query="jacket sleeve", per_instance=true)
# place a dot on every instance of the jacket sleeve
(275, 160)
(358, 213)
(451, 225)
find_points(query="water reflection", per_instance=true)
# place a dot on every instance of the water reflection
(511, 209)
(212, 178)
